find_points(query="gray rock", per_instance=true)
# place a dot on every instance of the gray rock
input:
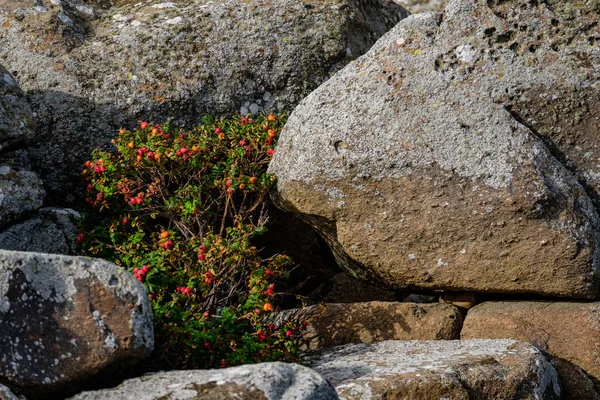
(418, 175)
(49, 230)
(419, 6)
(16, 120)
(65, 319)
(473, 369)
(21, 192)
(267, 381)
(6, 394)
(88, 75)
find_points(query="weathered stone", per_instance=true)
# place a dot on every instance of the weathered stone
(6, 394)
(331, 325)
(49, 230)
(16, 120)
(87, 76)
(570, 332)
(267, 381)
(21, 192)
(419, 6)
(423, 370)
(418, 175)
(343, 288)
(65, 319)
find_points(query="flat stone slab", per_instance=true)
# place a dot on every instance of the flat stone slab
(266, 381)
(468, 369)
(63, 319)
(331, 325)
(568, 331)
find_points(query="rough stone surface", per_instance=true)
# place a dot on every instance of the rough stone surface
(419, 6)
(21, 191)
(49, 230)
(89, 72)
(419, 164)
(66, 318)
(16, 120)
(570, 332)
(474, 369)
(331, 325)
(6, 394)
(267, 381)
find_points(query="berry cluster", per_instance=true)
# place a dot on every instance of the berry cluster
(185, 205)
(140, 273)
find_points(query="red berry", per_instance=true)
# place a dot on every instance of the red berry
(168, 244)
(207, 345)
(229, 190)
(184, 150)
(218, 130)
(223, 363)
(242, 142)
(289, 333)
(133, 200)
(267, 272)
(80, 238)
(201, 256)
(150, 156)
(270, 152)
(228, 182)
(271, 327)
(269, 142)
(90, 187)
(143, 125)
(167, 136)
(202, 249)
(145, 269)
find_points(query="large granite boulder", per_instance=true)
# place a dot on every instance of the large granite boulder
(420, 165)
(91, 67)
(569, 332)
(329, 325)
(64, 319)
(267, 381)
(449, 369)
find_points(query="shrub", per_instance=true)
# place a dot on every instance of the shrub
(179, 209)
